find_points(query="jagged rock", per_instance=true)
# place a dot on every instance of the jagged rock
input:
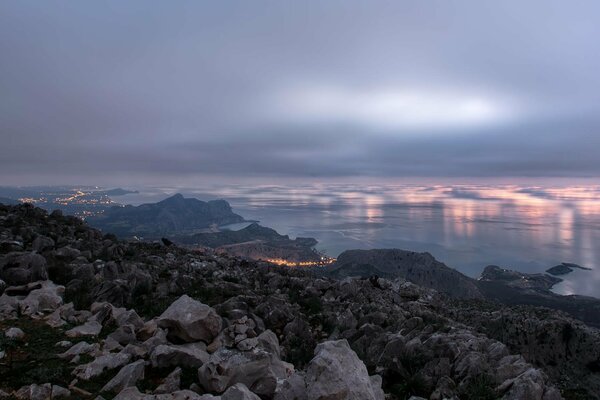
(90, 328)
(171, 383)
(101, 364)
(79, 349)
(147, 330)
(124, 335)
(527, 386)
(258, 369)
(293, 388)
(41, 243)
(128, 376)
(21, 268)
(59, 392)
(35, 392)
(189, 320)
(43, 296)
(337, 372)
(133, 393)
(187, 355)
(239, 391)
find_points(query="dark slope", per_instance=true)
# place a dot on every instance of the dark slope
(174, 215)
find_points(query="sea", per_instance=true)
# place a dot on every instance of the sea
(526, 228)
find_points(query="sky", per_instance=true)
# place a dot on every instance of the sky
(144, 91)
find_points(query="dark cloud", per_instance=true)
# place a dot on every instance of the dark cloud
(112, 90)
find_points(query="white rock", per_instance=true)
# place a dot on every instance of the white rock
(239, 391)
(187, 355)
(336, 372)
(126, 377)
(90, 328)
(190, 321)
(101, 364)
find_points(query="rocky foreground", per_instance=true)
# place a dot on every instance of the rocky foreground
(83, 315)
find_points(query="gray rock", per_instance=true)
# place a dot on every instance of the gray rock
(124, 335)
(101, 364)
(128, 376)
(171, 383)
(336, 372)
(35, 392)
(90, 328)
(239, 391)
(187, 355)
(44, 297)
(59, 392)
(21, 268)
(41, 243)
(79, 349)
(189, 320)
(259, 370)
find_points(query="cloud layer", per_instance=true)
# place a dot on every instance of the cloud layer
(94, 91)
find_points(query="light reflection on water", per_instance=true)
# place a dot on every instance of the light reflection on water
(466, 226)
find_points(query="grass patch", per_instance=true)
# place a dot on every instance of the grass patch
(480, 388)
(35, 359)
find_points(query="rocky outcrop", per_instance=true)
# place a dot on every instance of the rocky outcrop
(199, 325)
(173, 215)
(189, 320)
(516, 279)
(335, 372)
(420, 268)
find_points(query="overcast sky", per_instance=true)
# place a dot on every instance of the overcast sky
(113, 91)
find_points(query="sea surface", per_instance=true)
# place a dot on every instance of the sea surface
(527, 228)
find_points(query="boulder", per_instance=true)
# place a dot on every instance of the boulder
(171, 383)
(41, 243)
(259, 369)
(90, 328)
(186, 355)
(44, 297)
(100, 364)
(126, 377)
(336, 372)
(239, 391)
(188, 320)
(35, 392)
(21, 268)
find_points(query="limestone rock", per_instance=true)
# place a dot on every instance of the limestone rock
(126, 377)
(187, 355)
(171, 383)
(189, 320)
(259, 370)
(239, 391)
(337, 372)
(101, 364)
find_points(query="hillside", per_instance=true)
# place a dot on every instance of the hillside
(84, 314)
(174, 215)
(419, 268)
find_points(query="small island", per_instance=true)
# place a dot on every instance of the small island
(565, 268)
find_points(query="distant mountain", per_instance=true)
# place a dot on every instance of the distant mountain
(258, 243)
(252, 232)
(420, 268)
(172, 216)
(496, 284)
